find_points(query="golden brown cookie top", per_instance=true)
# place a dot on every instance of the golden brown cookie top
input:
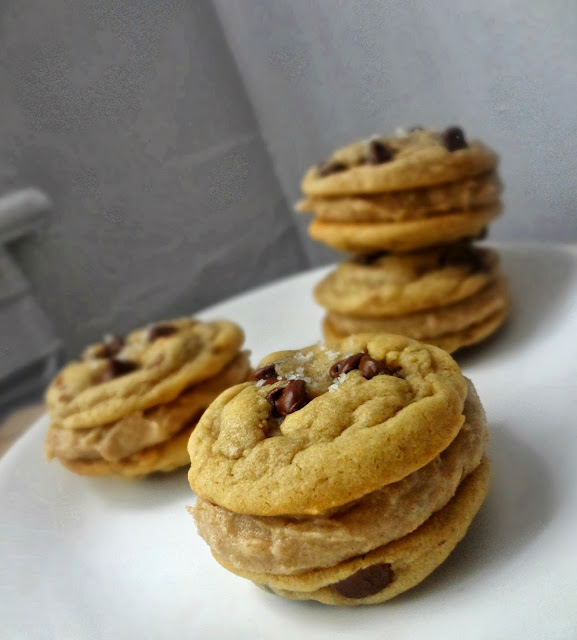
(384, 284)
(148, 367)
(418, 158)
(343, 420)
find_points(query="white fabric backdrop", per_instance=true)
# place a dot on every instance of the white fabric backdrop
(152, 138)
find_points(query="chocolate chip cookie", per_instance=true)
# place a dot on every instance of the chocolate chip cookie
(413, 159)
(339, 465)
(128, 406)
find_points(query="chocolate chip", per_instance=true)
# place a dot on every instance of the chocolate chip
(454, 139)
(328, 168)
(289, 398)
(112, 346)
(378, 153)
(365, 582)
(369, 368)
(463, 255)
(116, 368)
(264, 372)
(370, 258)
(275, 394)
(347, 364)
(161, 331)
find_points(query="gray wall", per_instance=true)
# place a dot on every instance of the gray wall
(323, 72)
(133, 117)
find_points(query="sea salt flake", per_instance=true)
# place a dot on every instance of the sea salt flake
(337, 382)
(259, 383)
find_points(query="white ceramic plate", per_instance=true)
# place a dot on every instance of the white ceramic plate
(99, 558)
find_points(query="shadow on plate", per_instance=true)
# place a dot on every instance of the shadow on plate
(152, 491)
(539, 282)
(522, 500)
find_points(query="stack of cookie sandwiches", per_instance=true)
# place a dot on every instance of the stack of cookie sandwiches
(344, 472)
(408, 208)
(129, 405)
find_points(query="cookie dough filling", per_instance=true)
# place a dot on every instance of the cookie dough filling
(396, 206)
(309, 476)
(389, 570)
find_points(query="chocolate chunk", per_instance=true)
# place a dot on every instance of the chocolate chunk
(365, 582)
(482, 234)
(346, 365)
(378, 153)
(328, 168)
(112, 346)
(454, 139)
(463, 255)
(161, 331)
(369, 368)
(264, 372)
(289, 398)
(116, 368)
(275, 394)
(370, 258)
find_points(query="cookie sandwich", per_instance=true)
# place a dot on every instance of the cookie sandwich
(452, 297)
(417, 189)
(344, 472)
(128, 406)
